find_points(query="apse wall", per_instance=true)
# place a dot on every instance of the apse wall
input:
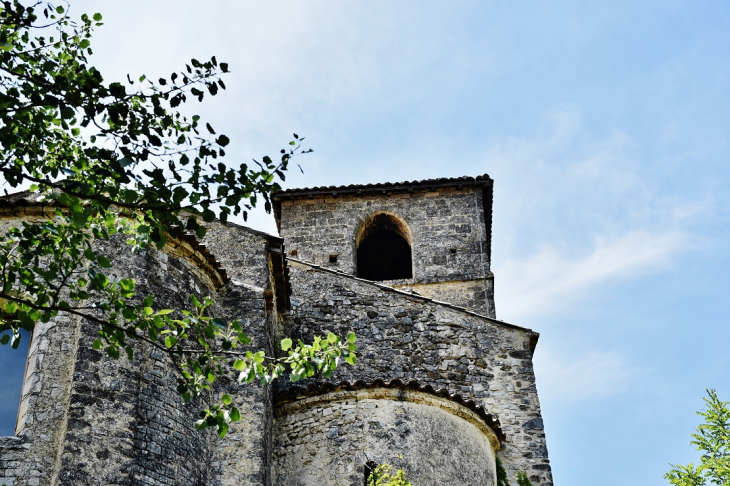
(328, 439)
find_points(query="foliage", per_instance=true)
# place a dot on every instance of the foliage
(713, 439)
(522, 479)
(383, 475)
(501, 474)
(120, 158)
(502, 479)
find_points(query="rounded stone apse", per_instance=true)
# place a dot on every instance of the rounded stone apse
(330, 439)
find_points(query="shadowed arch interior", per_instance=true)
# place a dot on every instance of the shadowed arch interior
(383, 251)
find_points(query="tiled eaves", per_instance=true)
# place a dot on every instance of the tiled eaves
(484, 182)
(385, 187)
(416, 296)
(22, 204)
(188, 245)
(316, 389)
(182, 242)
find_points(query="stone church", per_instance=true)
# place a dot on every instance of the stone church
(441, 388)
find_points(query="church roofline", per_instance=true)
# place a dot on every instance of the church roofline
(484, 182)
(411, 295)
(384, 187)
(24, 203)
(295, 393)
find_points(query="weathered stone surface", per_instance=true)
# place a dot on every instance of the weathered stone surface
(409, 337)
(329, 439)
(88, 420)
(447, 229)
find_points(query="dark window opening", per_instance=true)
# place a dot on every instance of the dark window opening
(12, 364)
(333, 258)
(370, 467)
(384, 255)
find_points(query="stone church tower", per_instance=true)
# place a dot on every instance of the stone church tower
(441, 387)
(433, 237)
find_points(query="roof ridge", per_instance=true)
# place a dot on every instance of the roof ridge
(440, 182)
(409, 294)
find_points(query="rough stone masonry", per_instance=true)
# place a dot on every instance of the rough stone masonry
(441, 387)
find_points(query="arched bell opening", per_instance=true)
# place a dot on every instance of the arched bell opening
(384, 249)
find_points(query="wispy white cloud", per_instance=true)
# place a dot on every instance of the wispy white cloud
(577, 213)
(573, 378)
(550, 279)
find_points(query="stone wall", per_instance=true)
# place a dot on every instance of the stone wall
(409, 337)
(243, 457)
(86, 419)
(126, 423)
(328, 439)
(32, 456)
(450, 237)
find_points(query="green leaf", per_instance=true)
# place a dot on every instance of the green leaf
(103, 261)
(208, 215)
(97, 344)
(226, 399)
(286, 344)
(67, 112)
(97, 17)
(209, 332)
(332, 338)
(11, 307)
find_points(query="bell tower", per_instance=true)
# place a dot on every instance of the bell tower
(431, 236)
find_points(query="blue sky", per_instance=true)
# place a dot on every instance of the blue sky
(605, 126)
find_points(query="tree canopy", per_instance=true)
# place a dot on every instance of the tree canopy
(712, 438)
(120, 158)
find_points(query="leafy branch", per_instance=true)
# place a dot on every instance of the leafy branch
(713, 439)
(120, 158)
